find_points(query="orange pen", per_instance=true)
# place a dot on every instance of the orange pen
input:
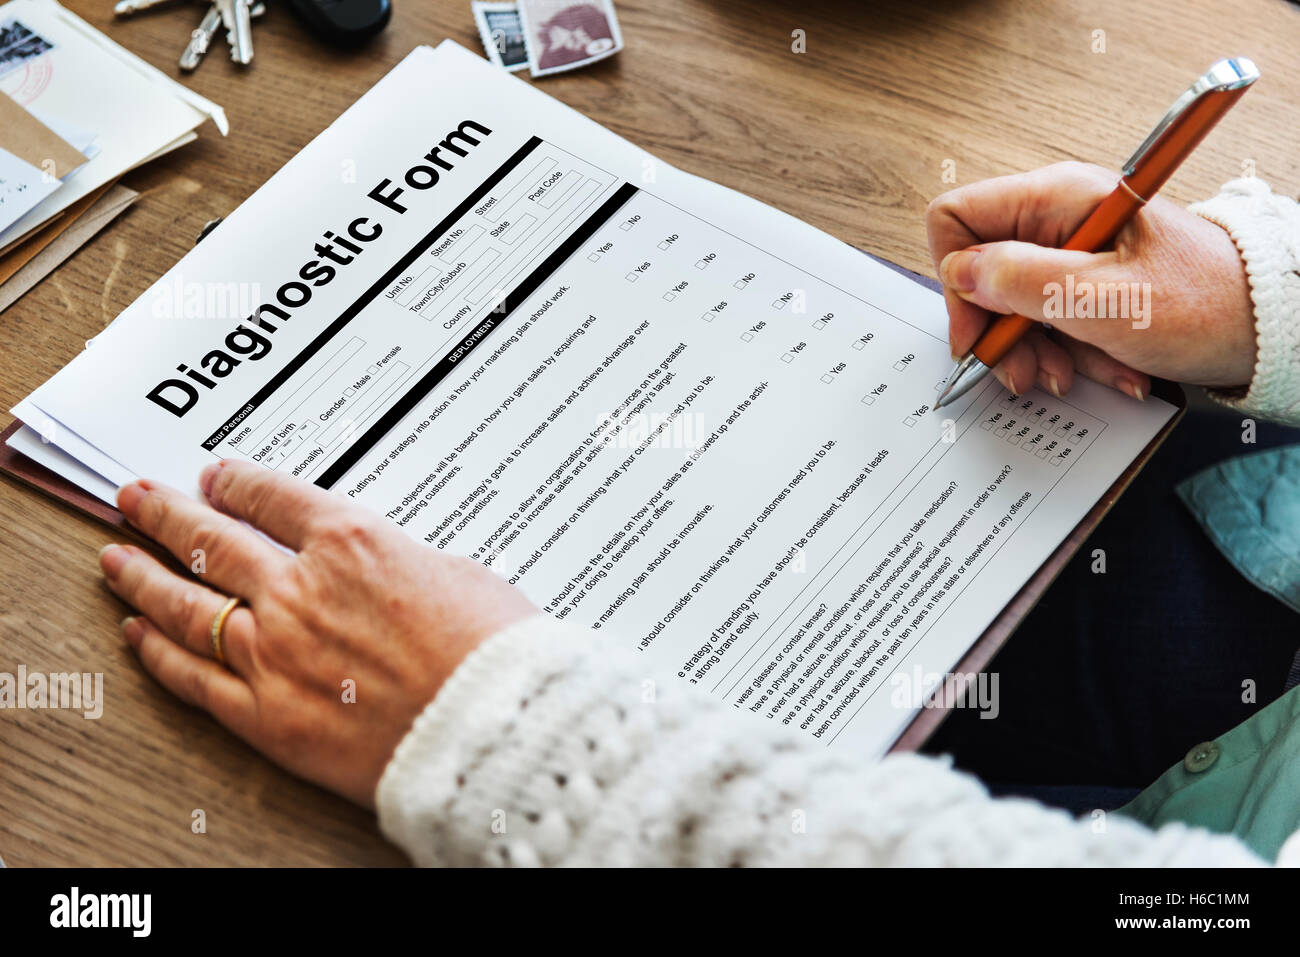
(1188, 121)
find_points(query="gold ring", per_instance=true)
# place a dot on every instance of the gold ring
(219, 623)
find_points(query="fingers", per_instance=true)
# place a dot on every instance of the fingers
(1036, 361)
(1101, 367)
(197, 681)
(1088, 296)
(1055, 367)
(1018, 369)
(1051, 364)
(180, 608)
(214, 546)
(1015, 277)
(286, 509)
(966, 321)
(1039, 209)
(1044, 207)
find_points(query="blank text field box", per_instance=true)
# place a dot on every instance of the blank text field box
(525, 183)
(561, 189)
(457, 244)
(517, 229)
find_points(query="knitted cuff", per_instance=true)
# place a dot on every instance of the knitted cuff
(1266, 229)
(475, 712)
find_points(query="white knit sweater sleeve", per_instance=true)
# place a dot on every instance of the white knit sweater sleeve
(1266, 229)
(550, 745)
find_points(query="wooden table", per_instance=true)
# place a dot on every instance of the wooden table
(853, 135)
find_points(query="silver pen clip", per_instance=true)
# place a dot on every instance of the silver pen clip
(1231, 74)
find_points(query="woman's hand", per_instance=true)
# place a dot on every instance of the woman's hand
(338, 646)
(995, 244)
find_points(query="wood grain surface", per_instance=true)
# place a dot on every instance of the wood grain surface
(851, 135)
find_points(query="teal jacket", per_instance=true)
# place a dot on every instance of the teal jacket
(1247, 781)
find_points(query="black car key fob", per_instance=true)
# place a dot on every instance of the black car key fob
(344, 22)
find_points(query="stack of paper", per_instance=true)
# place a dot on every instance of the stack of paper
(76, 112)
(661, 408)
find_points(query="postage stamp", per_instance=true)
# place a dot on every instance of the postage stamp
(18, 44)
(567, 34)
(502, 33)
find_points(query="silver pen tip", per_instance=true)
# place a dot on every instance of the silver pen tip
(965, 374)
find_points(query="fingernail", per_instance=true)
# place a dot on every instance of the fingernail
(132, 631)
(1131, 388)
(1011, 384)
(207, 477)
(111, 559)
(1054, 385)
(128, 499)
(958, 270)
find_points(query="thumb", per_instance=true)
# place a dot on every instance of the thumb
(1016, 277)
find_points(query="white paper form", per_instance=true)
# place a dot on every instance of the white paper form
(663, 409)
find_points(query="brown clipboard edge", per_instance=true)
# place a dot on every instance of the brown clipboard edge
(34, 475)
(978, 656)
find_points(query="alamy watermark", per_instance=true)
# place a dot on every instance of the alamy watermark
(1098, 300)
(172, 297)
(963, 689)
(61, 690)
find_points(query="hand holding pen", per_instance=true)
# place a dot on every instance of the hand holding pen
(1021, 247)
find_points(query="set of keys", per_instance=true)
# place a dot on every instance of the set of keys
(234, 16)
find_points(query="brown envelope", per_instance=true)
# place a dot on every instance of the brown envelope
(33, 142)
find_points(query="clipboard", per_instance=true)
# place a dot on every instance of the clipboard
(978, 656)
(930, 717)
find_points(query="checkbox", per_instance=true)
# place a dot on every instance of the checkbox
(670, 296)
(940, 384)
(900, 365)
(986, 425)
(625, 227)
(788, 357)
(631, 277)
(594, 257)
(746, 337)
(701, 264)
(1013, 439)
(910, 421)
(373, 370)
(859, 344)
(740, 284)
(349, 391)
(828, 378)
(663, 245)
(1042, 454)
(868, 399)
(778, 304)
(1057, 461)
(819, 324)
(707, 317)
